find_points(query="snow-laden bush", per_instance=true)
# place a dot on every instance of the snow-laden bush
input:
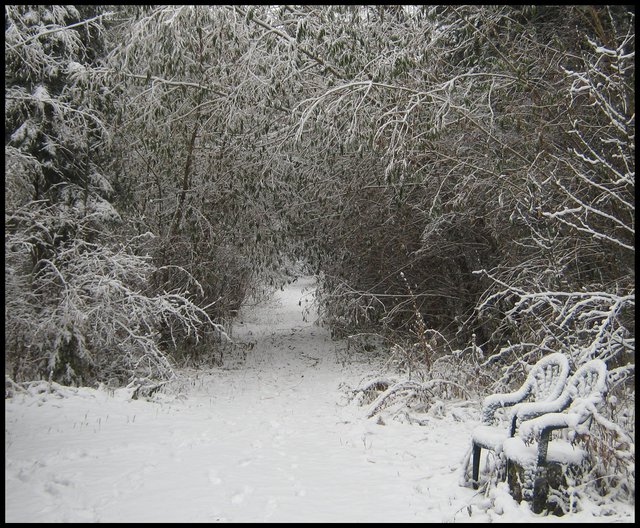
(78, 312)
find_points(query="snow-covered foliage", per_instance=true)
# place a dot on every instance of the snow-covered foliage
(191, 116)
(85, 313)
(595, 211)
(52, 114)
(79, 302)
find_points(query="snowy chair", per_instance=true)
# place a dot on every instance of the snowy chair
(534, 462)
(545, 382)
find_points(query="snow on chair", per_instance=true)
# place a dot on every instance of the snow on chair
(545, 382)
(532, 453)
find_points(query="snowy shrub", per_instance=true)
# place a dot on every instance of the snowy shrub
(80, 306)
(345, 310)
(78, 312)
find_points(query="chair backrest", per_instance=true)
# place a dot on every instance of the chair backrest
(548, 377)
(583, 393)
(546, 381)
(587, 387)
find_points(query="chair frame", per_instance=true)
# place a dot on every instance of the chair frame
(545, 382)
(573, 409)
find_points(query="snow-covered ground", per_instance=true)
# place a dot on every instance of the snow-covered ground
(274, 439)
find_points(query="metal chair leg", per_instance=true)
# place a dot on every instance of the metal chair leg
(476, 465)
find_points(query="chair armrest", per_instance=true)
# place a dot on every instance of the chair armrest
(494, 402)
(543, 425)
(529, 410)
(536, 416)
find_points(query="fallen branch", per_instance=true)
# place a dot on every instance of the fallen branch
(413, 388)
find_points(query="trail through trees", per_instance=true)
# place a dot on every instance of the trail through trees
(275, 439)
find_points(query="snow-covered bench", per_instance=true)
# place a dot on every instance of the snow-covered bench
(545, 382)
(531, 453)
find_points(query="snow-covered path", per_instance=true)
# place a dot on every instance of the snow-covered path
(273, 440)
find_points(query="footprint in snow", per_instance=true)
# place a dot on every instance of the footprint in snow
(300, 492)
(238, 497)
(214, 478)
(56, 485)
(272, 506)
